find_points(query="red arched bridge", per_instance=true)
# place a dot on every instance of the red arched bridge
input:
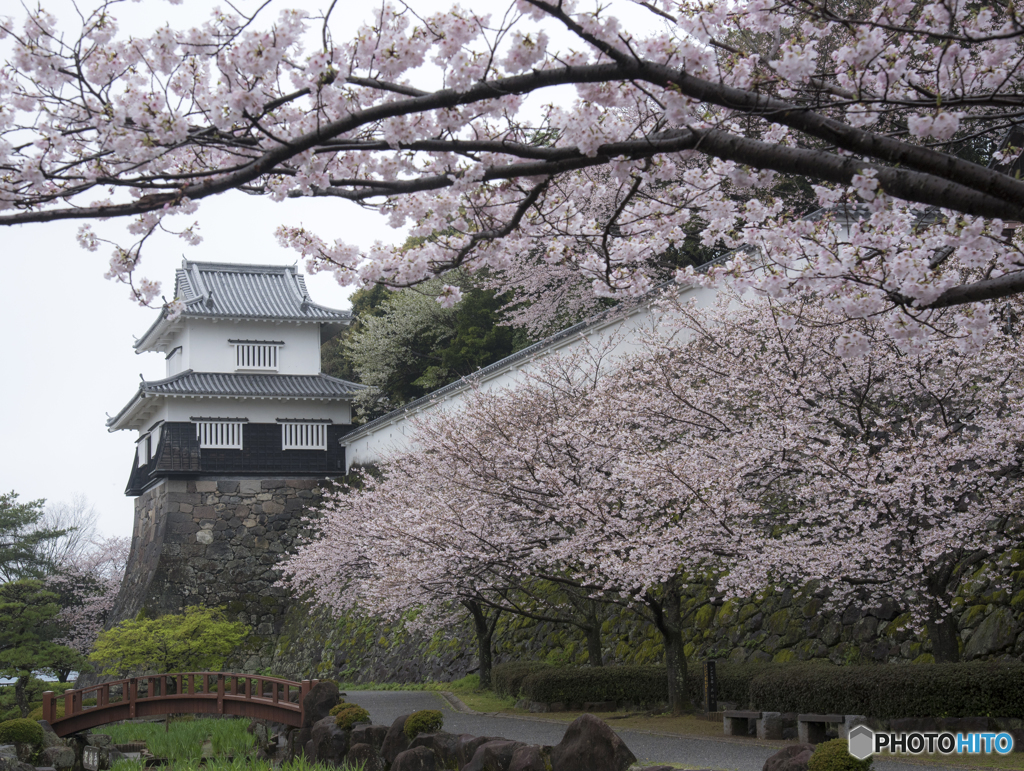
(204, 693)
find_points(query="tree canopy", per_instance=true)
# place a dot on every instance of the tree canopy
(903, 116)
(26, 542)
(28, 614)
(197, 639)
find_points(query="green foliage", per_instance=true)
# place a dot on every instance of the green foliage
(21, 731)
(196, 640)
(507, 679)
(892, 690)
(22, 542)
(34, 696)
(425, 721)
(351, 715)
(27, 630)
(576, 685)
(340, 706)
(733, 680)
(405, 344)
(182, 740)
(835, 755)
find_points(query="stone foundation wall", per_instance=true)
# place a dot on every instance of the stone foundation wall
(216, 542)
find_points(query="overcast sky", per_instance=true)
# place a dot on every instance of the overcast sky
(69, 332)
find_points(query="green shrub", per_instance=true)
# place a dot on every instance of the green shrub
(349, 717)
(893, 690)
(733, 680)
(341, 705)
(21, 731)
(575, 685)
(507, 679)
(426, 721)
(835, 756)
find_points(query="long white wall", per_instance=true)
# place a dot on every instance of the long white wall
(395, 432)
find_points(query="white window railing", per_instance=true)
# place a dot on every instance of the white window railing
(256, 354)
(304, 436)
(219, 434)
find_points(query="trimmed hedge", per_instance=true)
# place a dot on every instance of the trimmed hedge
(576, 685)
(507, 679)
(21, 731)
(835, 756)
(893, 690)
(425, 721)
(348, 717)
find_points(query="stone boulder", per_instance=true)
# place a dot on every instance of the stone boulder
(996, 633)
(58, 757)
(590, 744)
(13, 764)
(8, 752)
(467, 744)
(531, 757)
(395, 741)
(373, 735)
(364, 756)
(330, 743)
(50, 738)
(415, 759)
(494, 756)
(316, 706)
(444, 745)
(792, 758)
(99, 740)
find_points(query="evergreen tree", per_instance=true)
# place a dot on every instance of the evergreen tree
(22, 541)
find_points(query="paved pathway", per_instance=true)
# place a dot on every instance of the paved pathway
(650, 749)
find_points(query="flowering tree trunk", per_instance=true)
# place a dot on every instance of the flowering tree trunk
(484, 628)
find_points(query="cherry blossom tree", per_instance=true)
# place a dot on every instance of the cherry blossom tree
(746, 446)
(87, 587)
(453, 123)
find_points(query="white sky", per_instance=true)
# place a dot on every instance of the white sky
(69, 332)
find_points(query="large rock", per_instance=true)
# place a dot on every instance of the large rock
(590, 744)
(364, 756)
(494, 756)
(996, 632)
(444, 745)
(531, 757)
(50, 738)
(13, 764)
(330, 743)
(792, 758)
(373, 735)
(396, 741)
(58, 757)
(99, 740)
(8, 752)
(415, 759)
(467, 745)
(316, 706)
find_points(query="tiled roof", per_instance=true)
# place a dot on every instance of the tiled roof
(220, 290)
(189, 383)
(247, 386)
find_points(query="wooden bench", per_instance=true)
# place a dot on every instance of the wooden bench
(736, 722)
(811, 728)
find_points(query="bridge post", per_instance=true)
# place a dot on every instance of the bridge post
(133, 694)
(49, 707)
(220, 693)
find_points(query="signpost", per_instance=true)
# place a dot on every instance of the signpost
(710, 687)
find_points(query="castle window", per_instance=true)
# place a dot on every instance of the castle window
(219, 434)
(304, 436)
(256, 354)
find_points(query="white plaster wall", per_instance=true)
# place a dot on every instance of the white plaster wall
(624, 331)
(180, 409)
(205, 346)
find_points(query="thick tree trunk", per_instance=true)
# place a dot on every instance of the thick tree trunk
(594, 655)
(20, 696)
(484, 628)
(668, 619)
(941, 627)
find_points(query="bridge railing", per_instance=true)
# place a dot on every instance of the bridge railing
(188, 688)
